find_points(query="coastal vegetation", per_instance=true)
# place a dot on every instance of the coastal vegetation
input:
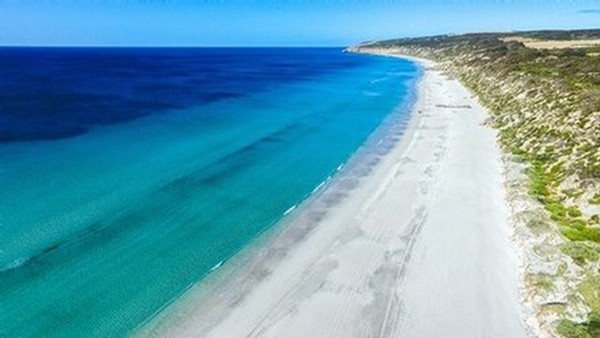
(543, 91)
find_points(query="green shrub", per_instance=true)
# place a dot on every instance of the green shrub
(585, 234)
(592, 234)
(580, 252)
(557, 210)
(578, 224)
(594, 319)
(570, 329)
(574, 212)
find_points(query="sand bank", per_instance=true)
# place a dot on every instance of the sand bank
(412, 242)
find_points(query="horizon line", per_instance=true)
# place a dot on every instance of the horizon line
(169, 46)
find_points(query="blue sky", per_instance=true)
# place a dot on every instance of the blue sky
(271, 22)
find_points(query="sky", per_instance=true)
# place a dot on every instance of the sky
(272, 22)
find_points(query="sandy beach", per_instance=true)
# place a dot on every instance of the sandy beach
(413, 241)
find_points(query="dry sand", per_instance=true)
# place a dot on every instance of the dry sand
(412, 242)
(553, 44)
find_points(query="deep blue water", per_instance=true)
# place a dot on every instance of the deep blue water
(51, 93)
(128, 174)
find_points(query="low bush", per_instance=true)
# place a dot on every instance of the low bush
(580, 252)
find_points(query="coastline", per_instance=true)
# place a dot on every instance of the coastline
(385, 247)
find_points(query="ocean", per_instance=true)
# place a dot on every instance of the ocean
(129, 174)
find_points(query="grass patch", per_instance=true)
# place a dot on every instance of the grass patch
(580, 252)
(542, 281)
(588, 329)
(537, 226)
(570, 329)
(585, 234)
(574, 212)
(590, 291)
(557, 211)
(540, 182)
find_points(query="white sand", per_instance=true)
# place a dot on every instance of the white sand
(416, 245)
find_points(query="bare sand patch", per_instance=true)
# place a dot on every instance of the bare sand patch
(553, 44)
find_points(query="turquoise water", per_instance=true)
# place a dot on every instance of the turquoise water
(100, 229)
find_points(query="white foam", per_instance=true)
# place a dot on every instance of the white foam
(289, 210)
(218, 265)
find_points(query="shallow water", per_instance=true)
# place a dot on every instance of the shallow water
(129, 174)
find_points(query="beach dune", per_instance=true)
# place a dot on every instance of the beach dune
(416, 244)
